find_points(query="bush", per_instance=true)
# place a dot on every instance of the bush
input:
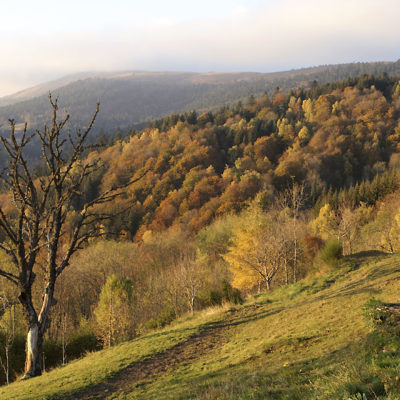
(331, 253)
(52, 353)
(82, 343)
(223, 293)
(215, 297)
(231, 294)
(166, 316)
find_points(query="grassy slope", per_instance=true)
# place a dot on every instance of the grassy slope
(299, 342)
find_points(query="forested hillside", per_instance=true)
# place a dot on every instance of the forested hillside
(132, 98)
(203, 166)
(228, 203)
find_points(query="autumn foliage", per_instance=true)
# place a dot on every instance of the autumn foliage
(245, 198)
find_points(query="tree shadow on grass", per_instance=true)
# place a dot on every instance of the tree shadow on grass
(367, 284)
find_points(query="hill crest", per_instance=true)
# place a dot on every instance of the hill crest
(136, 97)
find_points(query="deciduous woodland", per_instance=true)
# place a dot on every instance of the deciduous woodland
(248, 198)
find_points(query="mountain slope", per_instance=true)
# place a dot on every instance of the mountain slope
(305, 341)
(45, 88)
(129, 98)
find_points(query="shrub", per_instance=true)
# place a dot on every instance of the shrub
(331, 253)
(223, 293)
(215, 297)
(231, 294)
(81, 343)
(166, 316)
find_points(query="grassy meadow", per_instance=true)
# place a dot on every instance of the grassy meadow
(303, 341)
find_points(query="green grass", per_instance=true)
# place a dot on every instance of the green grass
(98, 366)
(305, 341)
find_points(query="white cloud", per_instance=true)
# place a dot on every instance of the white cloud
(239, 12)
(276, 35)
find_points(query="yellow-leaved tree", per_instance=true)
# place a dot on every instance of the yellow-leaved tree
(397, 228)
(384, 231)
(326, 224)
(114, 312)
(351, 220)
(344, 224)
(390, 229)
(257, 249)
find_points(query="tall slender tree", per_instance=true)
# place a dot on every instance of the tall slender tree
(293, 199)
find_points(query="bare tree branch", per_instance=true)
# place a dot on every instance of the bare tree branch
(40, 217)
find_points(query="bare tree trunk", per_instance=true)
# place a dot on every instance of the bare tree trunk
(110, 337)
(37, 329)
(176, 304)
(295, 261)
(63, 333)
(34, 339)
(286, 272)
(193, 291)
(7, 366)
(33, 362)
(192, 304)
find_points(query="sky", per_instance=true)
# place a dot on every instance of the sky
(43, 40)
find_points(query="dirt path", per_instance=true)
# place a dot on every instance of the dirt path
(196, 346)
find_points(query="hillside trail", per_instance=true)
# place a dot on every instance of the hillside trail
(209, 338)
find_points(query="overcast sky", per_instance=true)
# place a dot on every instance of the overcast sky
(43, 40)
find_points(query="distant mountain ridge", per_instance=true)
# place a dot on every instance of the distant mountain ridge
(133, 97)
(44, 88)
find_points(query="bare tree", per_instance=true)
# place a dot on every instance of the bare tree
(348, 228)
(39, 224)
(293, 199)
(173, 287)
(189, 275)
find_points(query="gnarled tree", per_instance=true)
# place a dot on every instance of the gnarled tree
(41, 229)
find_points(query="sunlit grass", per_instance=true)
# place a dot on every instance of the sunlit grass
(98, 366)
(305, 341)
